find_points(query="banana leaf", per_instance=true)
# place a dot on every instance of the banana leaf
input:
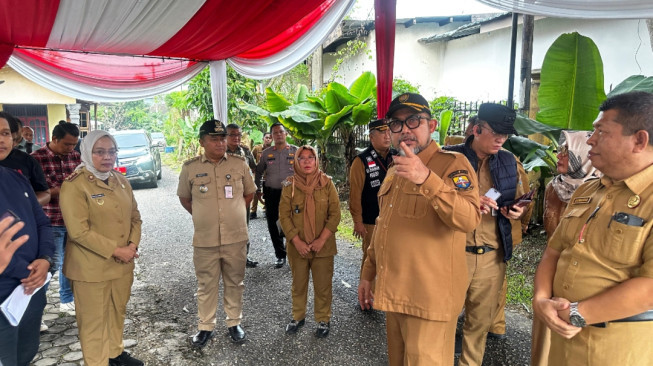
(444, 123)
(276, 102)
(363, 87)
(571, 89)
(633, 83)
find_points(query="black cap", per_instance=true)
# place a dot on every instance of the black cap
(499, 117)
(377, 124)
(413, 101)
(213, 127)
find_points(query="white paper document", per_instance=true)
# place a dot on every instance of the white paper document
(15, 305)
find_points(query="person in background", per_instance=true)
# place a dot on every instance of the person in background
(21, 143)
(58, 160)
(26, 165)
(257, 151)
(427, 202)
(104, 230)
(215, 188)
(574, 168)
(276, 165)
(366, 175)
(30, 263)
(234, 147)
(490, 245)
(594, 284)
(28, 134)
(309, 213)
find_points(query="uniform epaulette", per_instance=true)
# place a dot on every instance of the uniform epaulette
(73, 175)
(238, 156)
(191, 160)
(286, 182)
(451, 153)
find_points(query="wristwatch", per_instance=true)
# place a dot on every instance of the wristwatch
(575, 318)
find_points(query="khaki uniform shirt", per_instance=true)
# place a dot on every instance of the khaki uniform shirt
(99, 218)
(277, 165)
(327, 214)
(487, 232)
(417, 252)
(216, 191)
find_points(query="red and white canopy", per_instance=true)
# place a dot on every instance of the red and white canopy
(93, 49)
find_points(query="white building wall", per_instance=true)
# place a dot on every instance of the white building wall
(477, 67)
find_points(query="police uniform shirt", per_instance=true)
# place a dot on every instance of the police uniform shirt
(612, 246)
(216, 191)
(277, 166)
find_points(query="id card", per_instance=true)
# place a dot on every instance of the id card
(228, 192)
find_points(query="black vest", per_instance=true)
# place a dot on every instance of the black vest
(503, 168)
(375, 170)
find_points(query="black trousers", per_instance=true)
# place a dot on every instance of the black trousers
(272, 198)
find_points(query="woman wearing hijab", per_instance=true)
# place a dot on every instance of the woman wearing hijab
(104, 229)
(574, 168)
(309, 213)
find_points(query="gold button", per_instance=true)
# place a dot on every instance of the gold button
(565, 287)
(581, 241)
(436, 207)
(397, 186)
(618, 231)
(426, 191)
(479, 250)
(414, 189)
(609, 195)
(391, 205)
(575, 263)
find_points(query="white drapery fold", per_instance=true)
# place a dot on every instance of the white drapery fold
(218, 70)
(595, 9)
(56, 81)
(297, 52)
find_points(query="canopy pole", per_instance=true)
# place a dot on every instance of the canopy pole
(513, 54)
(385, 12)
(218, 71)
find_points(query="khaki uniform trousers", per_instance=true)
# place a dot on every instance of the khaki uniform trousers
(540, 343)
(321, 269)
(227, 261)
(101, 308)
(414, 341)
(617, 344)
(486, 273)
(367, 239)
(499, 323)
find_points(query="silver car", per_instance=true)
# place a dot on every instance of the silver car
(158, 139)
(138, 159)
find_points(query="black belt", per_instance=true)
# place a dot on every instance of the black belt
(646, 316)
(482, 249)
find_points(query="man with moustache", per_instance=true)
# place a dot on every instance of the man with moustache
(490, 245)
(428, 201)
(366, 174)
(594, 284)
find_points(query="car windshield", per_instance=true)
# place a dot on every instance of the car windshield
(157, 135)
(131, 140)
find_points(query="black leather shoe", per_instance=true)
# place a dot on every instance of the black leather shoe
(252, 216)
(251, 264)
(201, 338)
(125, 359)
(322, 329)
(280, 262)
(496, 335)
(294, 326)
(237, 333)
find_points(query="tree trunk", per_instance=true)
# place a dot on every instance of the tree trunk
(350, 151)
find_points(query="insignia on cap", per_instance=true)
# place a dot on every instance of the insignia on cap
(404, 97)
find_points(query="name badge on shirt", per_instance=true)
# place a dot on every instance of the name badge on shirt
(228, 192)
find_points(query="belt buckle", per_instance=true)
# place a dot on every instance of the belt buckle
(480, 250)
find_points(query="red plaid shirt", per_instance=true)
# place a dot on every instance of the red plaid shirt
(56, 168)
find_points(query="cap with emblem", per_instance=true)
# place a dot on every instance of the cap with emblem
(213, 127)
(413, 101)
(377, 124)
(500, 118)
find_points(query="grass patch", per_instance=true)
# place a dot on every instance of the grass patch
(170, 160)
(346, 226)
(521, 269)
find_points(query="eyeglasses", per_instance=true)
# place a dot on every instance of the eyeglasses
(103, 153)
(412, 122)
(310, 158)
(563, 150)
(239, 135)
(504, 136)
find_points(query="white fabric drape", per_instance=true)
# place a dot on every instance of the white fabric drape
(117, 26)
(218, 70)
(595, 9)
(297, 52)
(40, 75)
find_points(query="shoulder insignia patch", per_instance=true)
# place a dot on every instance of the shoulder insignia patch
(73, 175)
(581, 200)
(286, 182)
(461, 180)
(191, 160)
